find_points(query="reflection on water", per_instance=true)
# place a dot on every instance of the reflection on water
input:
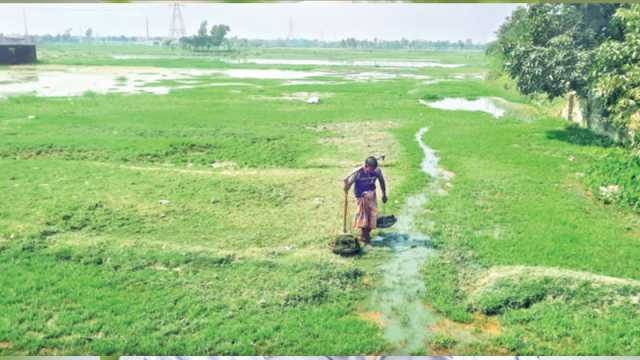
(484, 104)
(74, 81)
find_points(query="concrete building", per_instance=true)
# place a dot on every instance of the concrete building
(17, 51)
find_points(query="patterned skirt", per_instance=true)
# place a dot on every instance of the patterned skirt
(366, 211)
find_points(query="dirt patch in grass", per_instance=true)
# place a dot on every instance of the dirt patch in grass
(348, 144)
(374, 317)
(481, 324)
(448, 174)
(490, 325)
(456, 337)
(633, 234)
(5, 345)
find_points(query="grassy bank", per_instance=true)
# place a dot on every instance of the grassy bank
(523, 238)
(195, 222)
(198, 221)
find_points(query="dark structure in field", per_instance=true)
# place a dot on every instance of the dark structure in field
(11, 54)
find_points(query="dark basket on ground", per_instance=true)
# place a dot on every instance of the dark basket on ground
(345, 245)
(386, 221)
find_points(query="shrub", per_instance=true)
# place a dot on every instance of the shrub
(616, 179)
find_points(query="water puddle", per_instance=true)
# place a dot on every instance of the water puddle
(74, 81)
(375, 75)
(483, 104)
(372, 63)
(53, 80)
(215, 84)
(270, 73)
(296, 96)
(468, 76)
(312, 82)
(370, 76)
(432, 81)
(399, 299)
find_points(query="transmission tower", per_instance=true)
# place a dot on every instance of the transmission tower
(26, 29)
(177, 29)
(147, 26)
(290, 34)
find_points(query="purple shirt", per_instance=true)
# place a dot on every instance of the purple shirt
(364, 181)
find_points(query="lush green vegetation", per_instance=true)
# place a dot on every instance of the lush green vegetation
(616, 72)
(114, 222)
(588, 48)
(197, 222)
(592, 49)
(620, 171)
(518, 200)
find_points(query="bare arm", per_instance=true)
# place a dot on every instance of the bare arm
(350, 179)
(383, 186)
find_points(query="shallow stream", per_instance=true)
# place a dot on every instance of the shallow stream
(400, 298)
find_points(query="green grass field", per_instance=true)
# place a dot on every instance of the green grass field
(198, 222)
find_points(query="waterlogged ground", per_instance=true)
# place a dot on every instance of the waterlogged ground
(399, 298)
(481, 104)
(158, 201)
(61, 81)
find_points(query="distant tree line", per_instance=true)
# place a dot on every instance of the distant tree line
(352, 43)
(89, 36)
(592, 49)
(216, 36)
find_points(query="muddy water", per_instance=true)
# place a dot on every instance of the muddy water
(406, 319)
(484, 104)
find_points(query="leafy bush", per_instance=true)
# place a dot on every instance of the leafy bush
(616, 69)
(616, 178)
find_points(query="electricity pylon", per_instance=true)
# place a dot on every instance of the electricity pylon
(177, 28)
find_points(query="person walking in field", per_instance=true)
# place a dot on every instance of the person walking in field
(364, 179)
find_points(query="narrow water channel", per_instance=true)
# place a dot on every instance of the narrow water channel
(399, 298)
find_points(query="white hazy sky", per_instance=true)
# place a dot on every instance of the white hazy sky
(328, 20)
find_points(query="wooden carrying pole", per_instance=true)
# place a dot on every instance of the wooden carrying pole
(344, 223)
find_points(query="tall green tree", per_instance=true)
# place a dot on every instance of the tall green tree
(547, 48)
(89, 34)
(201, 40)
(217, 34)
(616, 70)
(205, 37)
